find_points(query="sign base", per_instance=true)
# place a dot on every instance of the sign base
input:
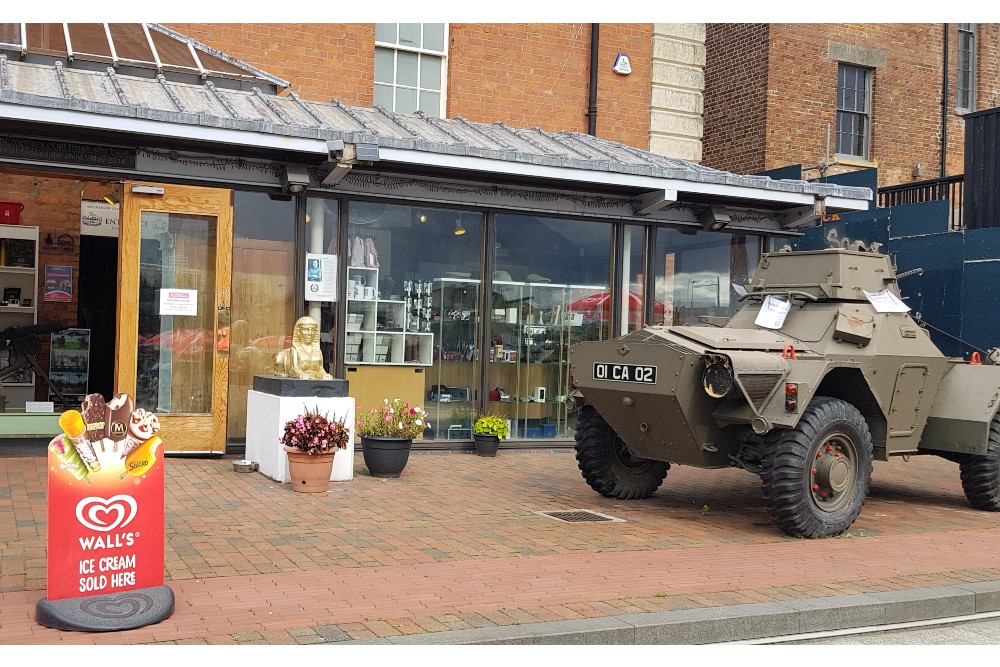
(105, 613)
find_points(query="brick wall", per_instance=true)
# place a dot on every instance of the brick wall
(322, 61)
(524, 75)
(736, 61)
(801, 96)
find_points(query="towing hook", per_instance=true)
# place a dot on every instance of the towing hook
(789, 351)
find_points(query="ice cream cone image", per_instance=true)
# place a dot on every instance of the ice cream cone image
(75, 429)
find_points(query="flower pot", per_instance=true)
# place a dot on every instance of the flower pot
(486, 445)
(385, 457)
(310, 473)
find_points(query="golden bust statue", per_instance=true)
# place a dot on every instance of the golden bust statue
(303, 360)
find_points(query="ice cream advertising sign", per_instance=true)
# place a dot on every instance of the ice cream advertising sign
(105, 519)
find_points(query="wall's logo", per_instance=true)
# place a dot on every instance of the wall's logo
(106, 514)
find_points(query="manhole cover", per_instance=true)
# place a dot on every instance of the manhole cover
(578, 516)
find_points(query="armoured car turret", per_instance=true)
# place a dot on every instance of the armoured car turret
(820, 372)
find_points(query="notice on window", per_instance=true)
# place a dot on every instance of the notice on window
(178, 301)
(773, 312)
(321, 277)
(886, 302)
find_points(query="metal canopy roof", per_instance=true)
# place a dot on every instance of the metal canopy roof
(136, 45)
(202, 113)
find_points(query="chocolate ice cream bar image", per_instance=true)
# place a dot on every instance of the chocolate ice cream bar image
(119, 411)
(94, 413)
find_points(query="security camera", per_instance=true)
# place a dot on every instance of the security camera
(294, 179)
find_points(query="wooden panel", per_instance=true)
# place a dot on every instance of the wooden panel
(369, 385)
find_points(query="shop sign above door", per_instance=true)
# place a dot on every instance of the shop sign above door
(99, 218)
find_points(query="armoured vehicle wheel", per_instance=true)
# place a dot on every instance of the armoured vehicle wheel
(816, 475)
(607, 464)
(981, 474)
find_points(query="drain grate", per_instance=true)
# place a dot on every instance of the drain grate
(578, 516)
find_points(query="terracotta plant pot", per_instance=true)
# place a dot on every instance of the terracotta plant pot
(310, 473)
(486, 445)
(385, 457)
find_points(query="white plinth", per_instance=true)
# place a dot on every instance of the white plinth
(266, 417)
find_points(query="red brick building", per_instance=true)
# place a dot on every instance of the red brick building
(771, 92)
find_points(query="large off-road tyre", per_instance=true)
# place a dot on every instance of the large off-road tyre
(816, 476)
(607, 464)
(981, 473)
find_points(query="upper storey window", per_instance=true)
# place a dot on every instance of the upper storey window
(410, 62)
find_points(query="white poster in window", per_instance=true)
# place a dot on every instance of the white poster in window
(886, 302)
(321, 277)
(178, 301)
(773, 312)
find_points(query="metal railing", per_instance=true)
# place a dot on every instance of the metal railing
(949, 188)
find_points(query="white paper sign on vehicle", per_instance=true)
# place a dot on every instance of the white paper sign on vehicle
(773, 311)
(886, 302)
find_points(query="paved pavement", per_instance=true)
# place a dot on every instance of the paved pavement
(456, 551)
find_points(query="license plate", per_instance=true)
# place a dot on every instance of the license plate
(625, 373)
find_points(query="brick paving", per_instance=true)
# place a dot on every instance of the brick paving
(458, 542)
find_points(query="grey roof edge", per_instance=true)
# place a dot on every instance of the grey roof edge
(281, 83)
(601, 160)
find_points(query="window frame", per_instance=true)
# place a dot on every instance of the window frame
(865, 114)
(969, 88)
(420, 51)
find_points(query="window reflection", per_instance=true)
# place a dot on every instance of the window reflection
(694, 273)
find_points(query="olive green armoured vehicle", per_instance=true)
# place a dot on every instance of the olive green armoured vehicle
(820, 372)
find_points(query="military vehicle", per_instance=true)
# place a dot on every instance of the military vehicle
(821, 371)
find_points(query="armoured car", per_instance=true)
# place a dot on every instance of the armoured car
(820, 372)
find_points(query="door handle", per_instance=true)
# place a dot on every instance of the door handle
(222, 323)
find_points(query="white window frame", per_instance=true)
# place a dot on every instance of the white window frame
(970, 30)
(443, 55)
(866, 113)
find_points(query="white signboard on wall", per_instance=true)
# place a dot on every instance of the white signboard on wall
(99, 218)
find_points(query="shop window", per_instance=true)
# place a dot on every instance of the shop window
(694, 274)
(413, 283)
(263, 294)
(410, 67)
(853, 110)
(551, 289)
(965, 80)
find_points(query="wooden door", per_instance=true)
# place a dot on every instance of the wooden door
(173, 311)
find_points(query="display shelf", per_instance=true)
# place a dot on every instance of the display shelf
(18, 272)
(378, 330)
(532, 328)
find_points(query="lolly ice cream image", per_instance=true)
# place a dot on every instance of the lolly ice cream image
(73, 425)
(94, 414)
(69, 458)
(141, 427)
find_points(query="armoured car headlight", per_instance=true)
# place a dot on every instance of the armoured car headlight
(718, 376)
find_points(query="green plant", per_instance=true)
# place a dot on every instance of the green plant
(394, 419)
(491, 424)
(314, 433)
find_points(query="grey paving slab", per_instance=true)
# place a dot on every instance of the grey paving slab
(987, 595)
(838, 612)
(605, 630)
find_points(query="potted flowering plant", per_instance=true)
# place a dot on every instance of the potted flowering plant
(387, 432)
(310, 441)
(487, 431)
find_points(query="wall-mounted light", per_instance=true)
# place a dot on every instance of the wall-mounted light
(422, 217)
(459, 229)
(294, 179)
(918, 170)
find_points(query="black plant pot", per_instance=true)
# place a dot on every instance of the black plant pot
(385, 457)
(486, 445)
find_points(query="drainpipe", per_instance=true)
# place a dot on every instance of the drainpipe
(944, 108)
(595, 39)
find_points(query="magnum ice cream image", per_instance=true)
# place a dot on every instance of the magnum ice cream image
(119, 411)
(74, 427)
(94, 415)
